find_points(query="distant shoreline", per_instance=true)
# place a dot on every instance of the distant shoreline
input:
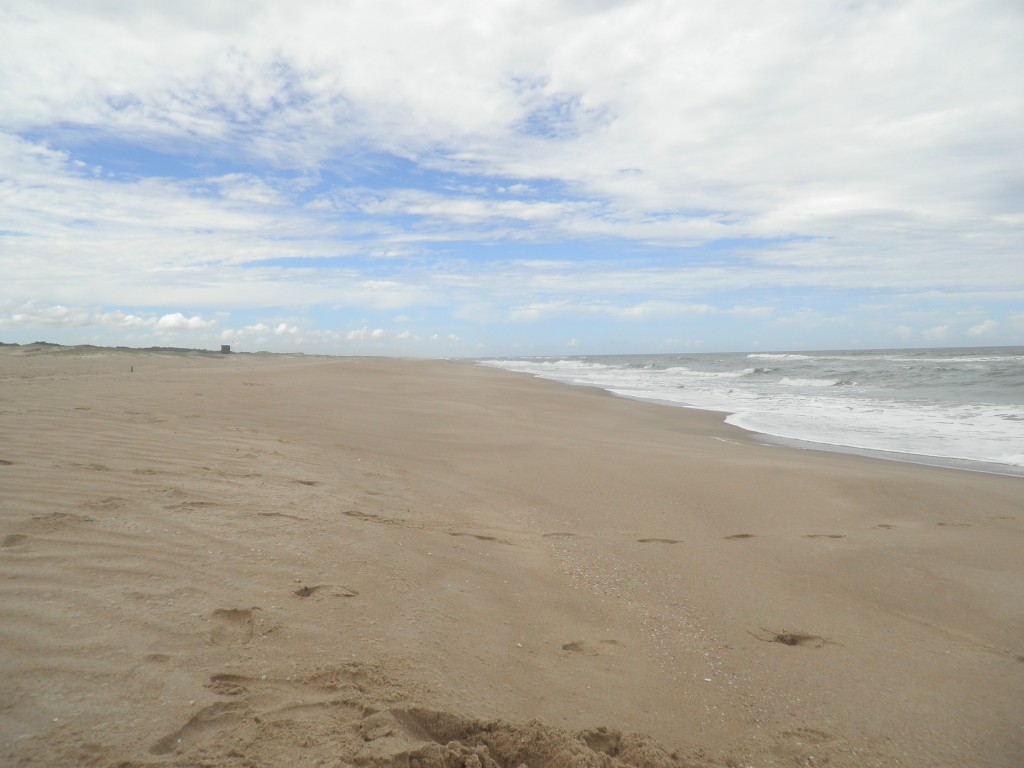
(951, 407)
(52, 347)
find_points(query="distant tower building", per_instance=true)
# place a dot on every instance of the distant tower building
(225, 349)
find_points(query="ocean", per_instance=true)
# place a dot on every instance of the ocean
(960, 407)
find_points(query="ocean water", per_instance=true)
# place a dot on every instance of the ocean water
(953, 407)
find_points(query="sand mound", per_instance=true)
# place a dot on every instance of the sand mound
(456, 741)
(239, 733)
(342, 733)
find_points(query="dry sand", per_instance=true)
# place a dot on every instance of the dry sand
(277, 561)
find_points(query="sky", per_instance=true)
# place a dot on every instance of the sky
(513, 177)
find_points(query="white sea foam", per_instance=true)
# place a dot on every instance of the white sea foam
(813, 382)
(973, 434)
(951, 404)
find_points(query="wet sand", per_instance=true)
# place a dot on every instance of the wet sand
(279, 561)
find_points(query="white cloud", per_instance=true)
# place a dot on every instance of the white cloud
(534, 312)
(261, 331)
(903, 332)
(451, 338)
(812, 318)
(361, 334)
(31, 315)
(246, 188)
(377, 334)
(178, 321)
(758, 312)
(488, 99)
(119, 319)
(835, 147)
(983, 329)
(658, 308)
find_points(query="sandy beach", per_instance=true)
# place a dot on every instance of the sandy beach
(249, 560)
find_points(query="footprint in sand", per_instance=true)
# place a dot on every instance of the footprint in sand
(825, 536)
(214, 717)
(13, 540)
(233, 626)
(792, 639)
(658, 541)
(580, 646)
(185, 506)
(228, 685)
(372, 518)
(280, 514)
(799, 640)
(306, 591)
(736, 536)
(478, 536)
(54, 520)
(796, 745)
(107, 503)
(5, 463)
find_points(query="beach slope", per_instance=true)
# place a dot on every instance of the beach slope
(248, 560)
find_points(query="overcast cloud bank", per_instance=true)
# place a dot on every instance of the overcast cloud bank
(516, 176)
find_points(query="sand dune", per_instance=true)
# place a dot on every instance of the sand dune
(275, 561)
